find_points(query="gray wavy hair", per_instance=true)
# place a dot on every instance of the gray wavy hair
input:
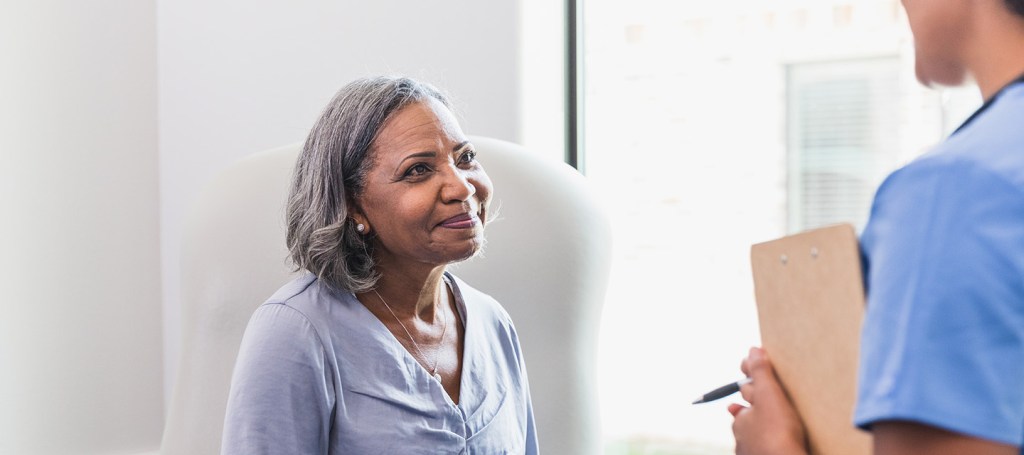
(330, 174)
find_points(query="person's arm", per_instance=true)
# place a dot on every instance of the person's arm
(281, 399)
(943, 333)
(908, 438)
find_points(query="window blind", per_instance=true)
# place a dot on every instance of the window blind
(843, 136)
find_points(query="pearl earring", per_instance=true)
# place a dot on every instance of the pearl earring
(360, 227)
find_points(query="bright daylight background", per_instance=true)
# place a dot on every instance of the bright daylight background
(710, 126)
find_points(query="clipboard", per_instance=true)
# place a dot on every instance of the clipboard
(810, 306)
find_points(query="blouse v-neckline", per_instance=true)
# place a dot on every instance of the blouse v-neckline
(407, 357)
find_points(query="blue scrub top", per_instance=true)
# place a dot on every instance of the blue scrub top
(943, 336)
(318, 373)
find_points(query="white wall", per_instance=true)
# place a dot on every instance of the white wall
(239, 77)
(80, 353)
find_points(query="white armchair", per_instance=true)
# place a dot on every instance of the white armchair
(546, 261)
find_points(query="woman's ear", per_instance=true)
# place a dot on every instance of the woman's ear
(361, 223)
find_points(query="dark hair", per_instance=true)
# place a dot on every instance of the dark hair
(331, 171)
(1017, 6)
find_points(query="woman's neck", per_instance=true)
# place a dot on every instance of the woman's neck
(411, 292)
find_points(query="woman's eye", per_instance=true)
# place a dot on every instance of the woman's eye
(417, 170)
(468, 157)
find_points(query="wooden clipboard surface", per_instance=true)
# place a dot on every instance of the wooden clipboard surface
(810, 305)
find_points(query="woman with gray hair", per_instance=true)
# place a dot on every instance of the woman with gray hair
(378, 349)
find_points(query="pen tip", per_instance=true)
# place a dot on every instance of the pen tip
(698, 401)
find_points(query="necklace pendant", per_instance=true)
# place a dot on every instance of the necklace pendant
(437, 376)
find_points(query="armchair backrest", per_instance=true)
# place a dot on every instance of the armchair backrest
(546, 261)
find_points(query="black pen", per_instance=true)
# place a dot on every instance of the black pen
(723, 391)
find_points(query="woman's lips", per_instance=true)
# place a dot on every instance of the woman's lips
(462, 221)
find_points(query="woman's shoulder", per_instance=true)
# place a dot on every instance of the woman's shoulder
(280, 326)
(295, 288)
(307, 294)
(301, 304)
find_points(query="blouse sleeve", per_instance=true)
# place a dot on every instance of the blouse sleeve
(943, 335)
(280, 399)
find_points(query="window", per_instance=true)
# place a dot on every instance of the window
(843, 138)
(710, 126)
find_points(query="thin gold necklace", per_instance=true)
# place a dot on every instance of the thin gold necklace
(415, 345)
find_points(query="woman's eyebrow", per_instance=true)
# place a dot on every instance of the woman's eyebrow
(429, 154)
(418, 155)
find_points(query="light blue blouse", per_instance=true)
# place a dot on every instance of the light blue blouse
(943, 336)
(318, 373)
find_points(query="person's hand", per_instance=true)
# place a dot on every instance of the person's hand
(770, 426)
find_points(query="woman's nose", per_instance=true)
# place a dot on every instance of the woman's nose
(457, 186)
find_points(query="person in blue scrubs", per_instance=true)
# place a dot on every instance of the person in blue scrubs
(942, 351)
(377, 348)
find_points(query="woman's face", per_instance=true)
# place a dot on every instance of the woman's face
(940, 28)
(425, 195)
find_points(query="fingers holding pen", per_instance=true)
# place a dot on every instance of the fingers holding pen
(755, 361)
(746, 388)
(747, 392)
(770, 425)
(755, 365)
(760, 371)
